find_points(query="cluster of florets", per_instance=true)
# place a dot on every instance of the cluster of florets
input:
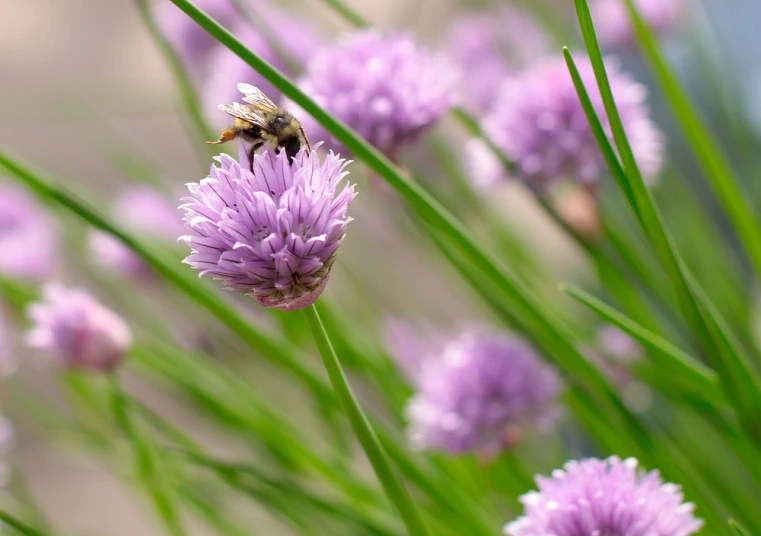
(386, 87)
(606, 497)
(272, 233)
(479, 391)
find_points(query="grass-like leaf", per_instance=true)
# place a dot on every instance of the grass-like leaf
(739, 529)
(715, 164)
(378, 458)
(739, 381)
(147, 462)
(234, 474)
(20, 527)
(700, 380)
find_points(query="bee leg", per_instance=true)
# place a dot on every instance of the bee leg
(251, 153)
(227, 135)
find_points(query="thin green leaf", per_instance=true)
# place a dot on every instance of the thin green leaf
(230, 400)
(741, 384)
(17, 525)
(715, 164)
(739, 529)
(378, 458)
(233, 474)
(351, 16)
(148, 465)
(702, 381)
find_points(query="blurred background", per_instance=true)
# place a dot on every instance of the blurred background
(88, 97)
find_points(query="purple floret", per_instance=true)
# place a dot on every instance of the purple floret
(606, 498)
(274, 233)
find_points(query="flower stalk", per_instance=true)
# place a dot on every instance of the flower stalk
(378, 458)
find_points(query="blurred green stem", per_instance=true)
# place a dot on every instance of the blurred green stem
(365, 434)
(20, 527)
(22, 492)
(148, 464)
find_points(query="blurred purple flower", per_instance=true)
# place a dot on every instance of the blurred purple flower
(28, 240)
(618, 345)
(411, 345)
(482, 165)
(228, 69)
(491, 47)
(480, 392)
(274, 233)
(538, 121)
(606, 497)
(191, 42)
(77, 330)
(385, 87)
(612, 18)
(145, 212)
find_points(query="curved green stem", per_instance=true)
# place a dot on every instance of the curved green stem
(391, 483)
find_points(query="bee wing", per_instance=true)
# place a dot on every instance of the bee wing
(253, 95)
(306, 140)
(247, 113)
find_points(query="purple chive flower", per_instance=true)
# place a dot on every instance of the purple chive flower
(491, 47)
(385, 87)
(145, 212)
(77, 331)
(606, 497)
(192, 43)
(274, 233)
(538, 121)
(28, 240)
(480, 392)
(612, 18)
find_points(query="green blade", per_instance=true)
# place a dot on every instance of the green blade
(736, 203)
(741, 384)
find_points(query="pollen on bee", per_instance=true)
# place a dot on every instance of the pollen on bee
(227, 135)
(242, 124)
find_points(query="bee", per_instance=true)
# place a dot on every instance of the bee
(262, 121)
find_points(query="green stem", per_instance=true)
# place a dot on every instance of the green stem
(14, 523)
(378, 458)
(351, 16)
(148, 464)
(24, 494)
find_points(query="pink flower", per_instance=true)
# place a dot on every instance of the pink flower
(77, 331)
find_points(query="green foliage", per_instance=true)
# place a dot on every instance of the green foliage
(297, 451)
